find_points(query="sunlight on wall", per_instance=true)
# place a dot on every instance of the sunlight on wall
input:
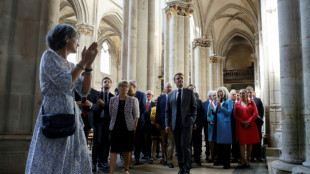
(105, 59)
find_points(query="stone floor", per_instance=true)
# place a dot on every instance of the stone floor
(157, 168)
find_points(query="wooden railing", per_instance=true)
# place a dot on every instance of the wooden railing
(239, 74)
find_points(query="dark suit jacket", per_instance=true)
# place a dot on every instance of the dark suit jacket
(142, 107)
(92, 96)
(161, 110)
(188, 109)
(147, 115)
(200, 113)
(103, 111)
(205, 106)
(260, 110)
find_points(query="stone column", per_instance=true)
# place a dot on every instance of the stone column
(178, 12)
(214, 72)
(132, 41)
(142, 46)
(151, 45)
(186, 49)
(291, 88)
(23, 29)
(166, 49)
(201, 65)
(305, 40)
(124, 51)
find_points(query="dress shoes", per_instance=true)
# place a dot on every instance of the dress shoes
(170, 165)
(103, 165)
(181, 172)
(259, 160)
(94, 167)
(198, 164)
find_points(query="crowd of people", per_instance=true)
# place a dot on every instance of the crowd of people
(172, 124)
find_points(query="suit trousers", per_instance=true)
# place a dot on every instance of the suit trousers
(101, 142)
(205, 131)
(197, 143)
(168, 143)
(182, 139)
(257, 148)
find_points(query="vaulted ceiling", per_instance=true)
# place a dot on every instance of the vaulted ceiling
(222, 20)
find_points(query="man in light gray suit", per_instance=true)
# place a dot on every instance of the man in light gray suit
(180, 117)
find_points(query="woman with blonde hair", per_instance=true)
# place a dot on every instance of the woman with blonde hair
(124, 112)
(223, 126)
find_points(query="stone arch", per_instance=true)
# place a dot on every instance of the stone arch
(216, 16)
(114, 19)
(223, 47)
(81, 10)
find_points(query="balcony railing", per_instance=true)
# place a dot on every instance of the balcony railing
(239, 74)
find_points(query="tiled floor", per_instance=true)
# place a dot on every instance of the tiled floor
(207, 168)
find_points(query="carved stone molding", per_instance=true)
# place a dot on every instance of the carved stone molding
(179, 7)
(202, 42)
(216, 59)
(85, 29)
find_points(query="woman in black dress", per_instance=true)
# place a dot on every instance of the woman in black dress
(124, 112)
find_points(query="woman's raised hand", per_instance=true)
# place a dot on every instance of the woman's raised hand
(89, 55)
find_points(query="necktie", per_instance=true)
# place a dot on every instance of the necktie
(106, 97)
(147, 106)
(84, 113)
(179, 104)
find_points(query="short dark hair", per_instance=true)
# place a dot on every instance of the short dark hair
(106, 78)
(177, 74)
(57, 37)
(191, 85)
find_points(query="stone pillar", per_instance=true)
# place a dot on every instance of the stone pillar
(142, 46)
(132, 41)
(221, 71)
(201, 66)
(186, 50)
(151, 46)
(214, 72)
(124, 51)
(291, 88)
(305, 40)
(166, 49)
(178, 12)
(24, 27)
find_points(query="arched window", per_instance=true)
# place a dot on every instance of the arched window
(105, 59)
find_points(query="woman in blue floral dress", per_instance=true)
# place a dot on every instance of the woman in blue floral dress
(58, 80)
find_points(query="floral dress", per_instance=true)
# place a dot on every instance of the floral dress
(67, 155)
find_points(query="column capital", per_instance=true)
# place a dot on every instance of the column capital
(216, 59)
(179, 7)
(85, 29)
(202, 42)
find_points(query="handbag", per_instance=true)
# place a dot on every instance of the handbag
(58, 125)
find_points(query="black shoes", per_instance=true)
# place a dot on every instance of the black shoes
(170, 165)
(94, 167)
(103, 165)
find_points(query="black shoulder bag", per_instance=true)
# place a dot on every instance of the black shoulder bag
(58, 125)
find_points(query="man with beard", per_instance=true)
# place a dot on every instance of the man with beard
(101, 141)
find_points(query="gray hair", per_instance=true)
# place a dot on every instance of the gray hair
(209, 93)
(122, 83)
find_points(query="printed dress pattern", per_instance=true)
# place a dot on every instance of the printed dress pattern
(67, 155)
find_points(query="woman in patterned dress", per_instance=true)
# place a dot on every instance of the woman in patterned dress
(58, 80)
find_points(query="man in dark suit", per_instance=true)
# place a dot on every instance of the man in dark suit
(101, 141)
(205, 106)
(257, 149)
(180, 117)
(167, 138)
(88, 104)
(197, 128)
(235, 150)
(146, 131)
(142, 107)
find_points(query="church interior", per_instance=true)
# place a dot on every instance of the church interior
(233, 43)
